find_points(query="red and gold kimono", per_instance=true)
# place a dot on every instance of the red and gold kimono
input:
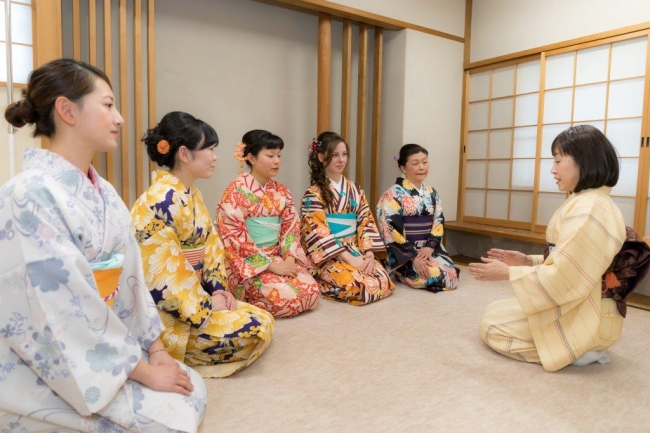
(326, 234)
(245, 202)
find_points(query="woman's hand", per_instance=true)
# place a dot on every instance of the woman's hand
(163, 377)
(286, 267)
(510, 257)
(425, 253)
(421, 266)
(223, 300)
(369, 267)
(490, 270)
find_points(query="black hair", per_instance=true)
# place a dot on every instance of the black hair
(257, 140)
(592, 152)
(407, 150)
(178, 129)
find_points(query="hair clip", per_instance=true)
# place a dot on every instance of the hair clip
(315, 144)
(396, 158)
(239, 155)
(163, 147)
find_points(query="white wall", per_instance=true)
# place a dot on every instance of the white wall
(502, 27)
(443, 15)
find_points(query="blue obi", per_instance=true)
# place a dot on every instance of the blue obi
(265, 231)
(342, 225)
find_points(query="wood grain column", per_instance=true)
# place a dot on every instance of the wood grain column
(361, 105)
(376, 116)
(346, 81)
(324, 71)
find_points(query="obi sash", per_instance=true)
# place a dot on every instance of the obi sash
(417, 228)
(342, 225)
(195, 256)
(629, 267)
(265, 231)
(107, 277)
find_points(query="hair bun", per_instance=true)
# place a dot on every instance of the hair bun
(21, 113)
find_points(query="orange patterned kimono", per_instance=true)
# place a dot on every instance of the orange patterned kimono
(247, 263)
(340, 280)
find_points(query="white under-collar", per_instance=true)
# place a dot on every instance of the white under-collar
(337, 185)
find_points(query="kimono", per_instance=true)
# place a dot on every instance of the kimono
(559, 313)
(324, 242)
(245, 204)
(66, 350)
(411, 219)
(184, 264)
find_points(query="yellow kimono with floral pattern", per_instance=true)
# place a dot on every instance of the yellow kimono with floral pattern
(169, 219)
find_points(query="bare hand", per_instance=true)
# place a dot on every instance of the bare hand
(369, 267)
(510, 257)
(285, 267)
(165, 377)
(490, 270)
(421, 267)
(223, 300)
(357, 262)
(425, 253)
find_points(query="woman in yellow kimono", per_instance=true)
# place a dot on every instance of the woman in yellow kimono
(258, 222)
(183, 256)
(338, 230)
(559, 316)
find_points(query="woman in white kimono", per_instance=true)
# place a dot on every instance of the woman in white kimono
(80, 346)
(560, 316)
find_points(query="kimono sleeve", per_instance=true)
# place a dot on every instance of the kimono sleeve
(368, 238)
(391, 224)
(171, 279)
(214, 270)
(320, 244)
(244, 257)
(290, 229)
(438, 229)
(588, 241)
(51, 315)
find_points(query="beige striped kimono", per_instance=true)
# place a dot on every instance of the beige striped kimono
(558, 314)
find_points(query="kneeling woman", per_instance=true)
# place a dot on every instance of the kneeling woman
(257, 219)
(183, 256)
(338, 230)
(412, 225)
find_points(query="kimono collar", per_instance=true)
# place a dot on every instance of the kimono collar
(406, 184)
(254, 185)
(165, 177)
(337, 185)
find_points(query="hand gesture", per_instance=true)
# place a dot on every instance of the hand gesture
(223, 300)
(490, 270)
(510, 257)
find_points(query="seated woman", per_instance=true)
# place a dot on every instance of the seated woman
(338, 230)
(80, 344)
(558, 317)
(257, 219)
(183, 256)
(412, 225)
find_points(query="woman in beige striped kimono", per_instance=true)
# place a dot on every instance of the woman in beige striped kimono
(558, 317)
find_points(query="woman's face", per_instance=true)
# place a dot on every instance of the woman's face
(266, 164)
(565, 171)
(338, 162)
(202, 163)
(97, 119)
(416, 168)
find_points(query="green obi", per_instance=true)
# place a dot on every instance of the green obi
(342, 225)
(265, 231)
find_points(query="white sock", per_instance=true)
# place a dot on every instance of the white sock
(600, 357)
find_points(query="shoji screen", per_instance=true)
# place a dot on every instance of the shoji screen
(501, 144)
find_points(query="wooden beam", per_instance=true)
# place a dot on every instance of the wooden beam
(468, 32)
(324, 72)
(108, 69)
(361, 104)
(92, 47)
(376, 115)
(76, 30)
(124, 102)
(361, 16)
(151, 68)
(137, 78)
(346, 83)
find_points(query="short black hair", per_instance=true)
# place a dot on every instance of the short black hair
(257, 140)
(592, 152)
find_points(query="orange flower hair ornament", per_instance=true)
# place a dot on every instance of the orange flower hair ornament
(163, 147)
(239, 156)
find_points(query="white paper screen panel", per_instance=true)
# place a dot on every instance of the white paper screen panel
(503, 82)
(626, 98)
(501, 115)
(474, 202)
(549, 132)
(477, 143)
(626, 205)
(521, 208)
(479, 86)
(627, 176)
(478, 115)
(523, 174)
(557, 106)
(629, 58)
(525, 142)
(559, 70)
(590, 102)
(546, 180)
(526, 109)
(547, 204)
(476, 171)
(497, 204)
(499, 175)
(23, 62)
(500, 143)
(21, 23)
(624, 135)
(592, 65)
(528, 77)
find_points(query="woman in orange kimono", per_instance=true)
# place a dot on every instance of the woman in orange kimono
(257, 220)
(338, 230)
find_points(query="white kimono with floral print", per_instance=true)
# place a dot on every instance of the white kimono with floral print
(65, 356)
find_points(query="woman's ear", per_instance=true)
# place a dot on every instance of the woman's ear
(321, 157)
(184, 154)
(65, 109)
